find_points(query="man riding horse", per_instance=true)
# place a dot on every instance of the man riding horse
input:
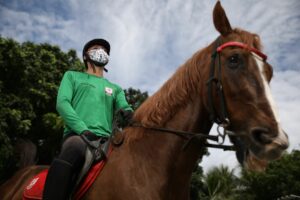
(87, 102)
(226, 82)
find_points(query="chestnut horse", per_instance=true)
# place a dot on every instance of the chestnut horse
(226, 82)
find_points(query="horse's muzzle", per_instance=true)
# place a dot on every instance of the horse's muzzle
(266, 146)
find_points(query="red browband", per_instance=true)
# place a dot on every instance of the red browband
(244, 46)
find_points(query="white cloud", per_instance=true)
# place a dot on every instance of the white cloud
(155, 36)
(285, 87)
(40, 28)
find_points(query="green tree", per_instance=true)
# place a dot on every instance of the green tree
(281, 178)
(196, 184)
(135, 97)
(29, 77)
(219, 183)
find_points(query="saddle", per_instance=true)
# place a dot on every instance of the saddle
(94, 163)
(96, 157)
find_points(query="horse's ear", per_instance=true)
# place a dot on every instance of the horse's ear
(221, 21)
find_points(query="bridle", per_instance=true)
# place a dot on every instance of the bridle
(214, 79)
(221, 118)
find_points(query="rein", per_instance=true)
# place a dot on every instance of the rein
(189, 136)
(184, 134)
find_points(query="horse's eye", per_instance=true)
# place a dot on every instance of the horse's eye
(234, 61)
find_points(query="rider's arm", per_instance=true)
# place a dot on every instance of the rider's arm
(64, 106)
(121, 102)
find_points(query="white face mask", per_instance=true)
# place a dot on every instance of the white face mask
(98, 56)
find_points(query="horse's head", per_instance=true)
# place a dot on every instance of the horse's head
(243, 73)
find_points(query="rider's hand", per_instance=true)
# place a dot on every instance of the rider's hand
(126, 116)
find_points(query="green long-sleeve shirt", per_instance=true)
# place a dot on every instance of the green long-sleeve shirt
(88, 102)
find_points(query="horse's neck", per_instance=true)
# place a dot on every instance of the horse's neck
(195, 120)
(161, 155)
(192, 118)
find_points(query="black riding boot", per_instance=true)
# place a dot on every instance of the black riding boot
(58, 181)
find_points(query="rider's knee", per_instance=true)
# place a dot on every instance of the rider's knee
(73, 150)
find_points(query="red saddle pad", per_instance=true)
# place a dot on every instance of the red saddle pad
(34, 189)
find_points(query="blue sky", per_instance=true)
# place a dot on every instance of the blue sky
(151, 39)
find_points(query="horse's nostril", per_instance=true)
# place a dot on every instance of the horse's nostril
(261, 135)
(284, 146)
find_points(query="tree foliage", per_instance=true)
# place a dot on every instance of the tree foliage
(135, 97)
(219, 183)
(281, 178)
(29, 77)
(196, 184)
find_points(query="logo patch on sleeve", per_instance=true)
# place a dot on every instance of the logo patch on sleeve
(108, 91)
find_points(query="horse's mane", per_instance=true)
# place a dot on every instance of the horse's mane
(174, 94)
(178, 91)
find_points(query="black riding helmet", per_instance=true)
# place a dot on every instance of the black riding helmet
(93, 42)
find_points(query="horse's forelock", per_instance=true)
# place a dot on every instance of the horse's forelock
(250, 39)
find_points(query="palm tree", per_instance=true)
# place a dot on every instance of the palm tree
(220, 183)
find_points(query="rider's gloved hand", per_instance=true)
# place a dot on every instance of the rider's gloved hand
(126, 116)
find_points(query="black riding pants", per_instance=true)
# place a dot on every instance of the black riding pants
(73, 151)
(65, 168)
